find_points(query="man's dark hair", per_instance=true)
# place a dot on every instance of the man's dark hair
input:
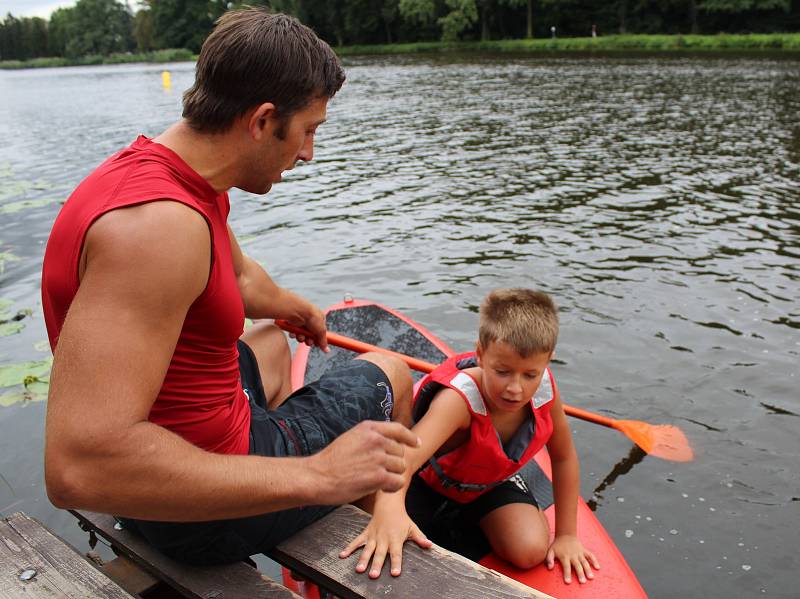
(254, 56)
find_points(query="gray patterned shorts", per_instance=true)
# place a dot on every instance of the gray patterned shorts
(314, 415)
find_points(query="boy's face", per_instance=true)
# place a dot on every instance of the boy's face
(509, 380)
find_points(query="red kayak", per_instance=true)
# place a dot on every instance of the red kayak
(386, 328)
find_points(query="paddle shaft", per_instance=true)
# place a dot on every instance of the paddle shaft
(421, 365)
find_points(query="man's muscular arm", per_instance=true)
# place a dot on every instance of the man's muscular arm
(143, 268)
(264, 299)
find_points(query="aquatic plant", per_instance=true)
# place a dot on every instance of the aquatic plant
(26, 381)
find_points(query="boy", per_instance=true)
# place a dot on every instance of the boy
(480, 418)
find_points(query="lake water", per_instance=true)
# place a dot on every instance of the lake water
(657, 199)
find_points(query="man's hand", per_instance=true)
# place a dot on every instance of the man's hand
(314, 323)
(365, 459)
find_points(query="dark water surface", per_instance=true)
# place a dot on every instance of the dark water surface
(656, 199)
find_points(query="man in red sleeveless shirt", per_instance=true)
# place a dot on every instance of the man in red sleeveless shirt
(161, 411)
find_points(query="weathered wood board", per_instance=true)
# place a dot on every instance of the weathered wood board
(231, 581)
(60, 571)
(314, 553)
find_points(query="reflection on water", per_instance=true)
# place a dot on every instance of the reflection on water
(657, 200)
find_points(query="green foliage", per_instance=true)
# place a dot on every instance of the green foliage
(738, 6)
(463, 13)
(143, 31)
(421, 11)
(183, 23)
(611, 43)
(27, 381)
(23, 38)
(99, 27)
(105, 31)
(157, 56)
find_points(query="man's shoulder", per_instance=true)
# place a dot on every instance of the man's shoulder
(162, 222)
(158, 235)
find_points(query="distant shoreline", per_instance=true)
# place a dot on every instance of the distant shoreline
(723, 42)
(755, 43)
(155, 57)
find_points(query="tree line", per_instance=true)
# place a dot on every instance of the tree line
(103, 27)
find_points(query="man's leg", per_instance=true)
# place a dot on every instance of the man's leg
(402, 384)
(273, 357)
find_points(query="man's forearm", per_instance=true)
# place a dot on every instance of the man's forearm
(156, 475)
(263, 298)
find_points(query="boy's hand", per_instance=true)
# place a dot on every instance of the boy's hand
(388, 530)
(568, 550)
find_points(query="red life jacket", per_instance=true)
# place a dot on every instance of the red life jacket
(481, 463)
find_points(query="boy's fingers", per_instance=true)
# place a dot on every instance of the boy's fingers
(587, 568)
(567, 571)
(419, 538)
(377, 561)
(548, 561)
(593, 560)
(396, 558)
(579, 572)
(352, 546)
(366, 553)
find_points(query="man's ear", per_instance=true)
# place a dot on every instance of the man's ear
(261, 120)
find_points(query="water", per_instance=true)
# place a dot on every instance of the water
(656, 199)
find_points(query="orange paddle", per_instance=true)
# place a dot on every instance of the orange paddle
(661, 440)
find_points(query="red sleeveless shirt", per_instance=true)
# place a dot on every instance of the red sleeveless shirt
(201, 398)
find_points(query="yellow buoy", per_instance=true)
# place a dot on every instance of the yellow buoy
(166, 80)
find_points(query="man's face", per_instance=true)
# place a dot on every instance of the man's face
(286, 142)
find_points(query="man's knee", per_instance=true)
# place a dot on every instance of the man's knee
(266, 339)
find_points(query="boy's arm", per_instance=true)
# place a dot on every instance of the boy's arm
(390, 526)
(566, 485)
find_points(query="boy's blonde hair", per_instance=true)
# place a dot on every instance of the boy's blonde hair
(525, 319)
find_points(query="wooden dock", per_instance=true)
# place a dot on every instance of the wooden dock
(35, 564)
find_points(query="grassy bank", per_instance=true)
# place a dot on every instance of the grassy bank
(775, 42)
(723, 42)
(158, 56)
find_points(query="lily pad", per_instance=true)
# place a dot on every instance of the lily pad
(13, 207)
(33, 373)
(10, 328)
(16, 188)
(14, 397)
(5, 304)
(6, 257)
(43, 345)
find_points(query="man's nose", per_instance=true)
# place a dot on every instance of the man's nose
(307, 151)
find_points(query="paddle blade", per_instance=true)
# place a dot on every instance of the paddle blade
(661, 440)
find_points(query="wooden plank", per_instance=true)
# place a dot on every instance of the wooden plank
(231, 581)
(314, 553)
(129, 576)
(60, 570)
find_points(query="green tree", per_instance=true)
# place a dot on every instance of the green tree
(418, 11)
(143, 31)
(99, 27)
(36, 31)
(10, 37)
(59, 30)
(184, 23)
